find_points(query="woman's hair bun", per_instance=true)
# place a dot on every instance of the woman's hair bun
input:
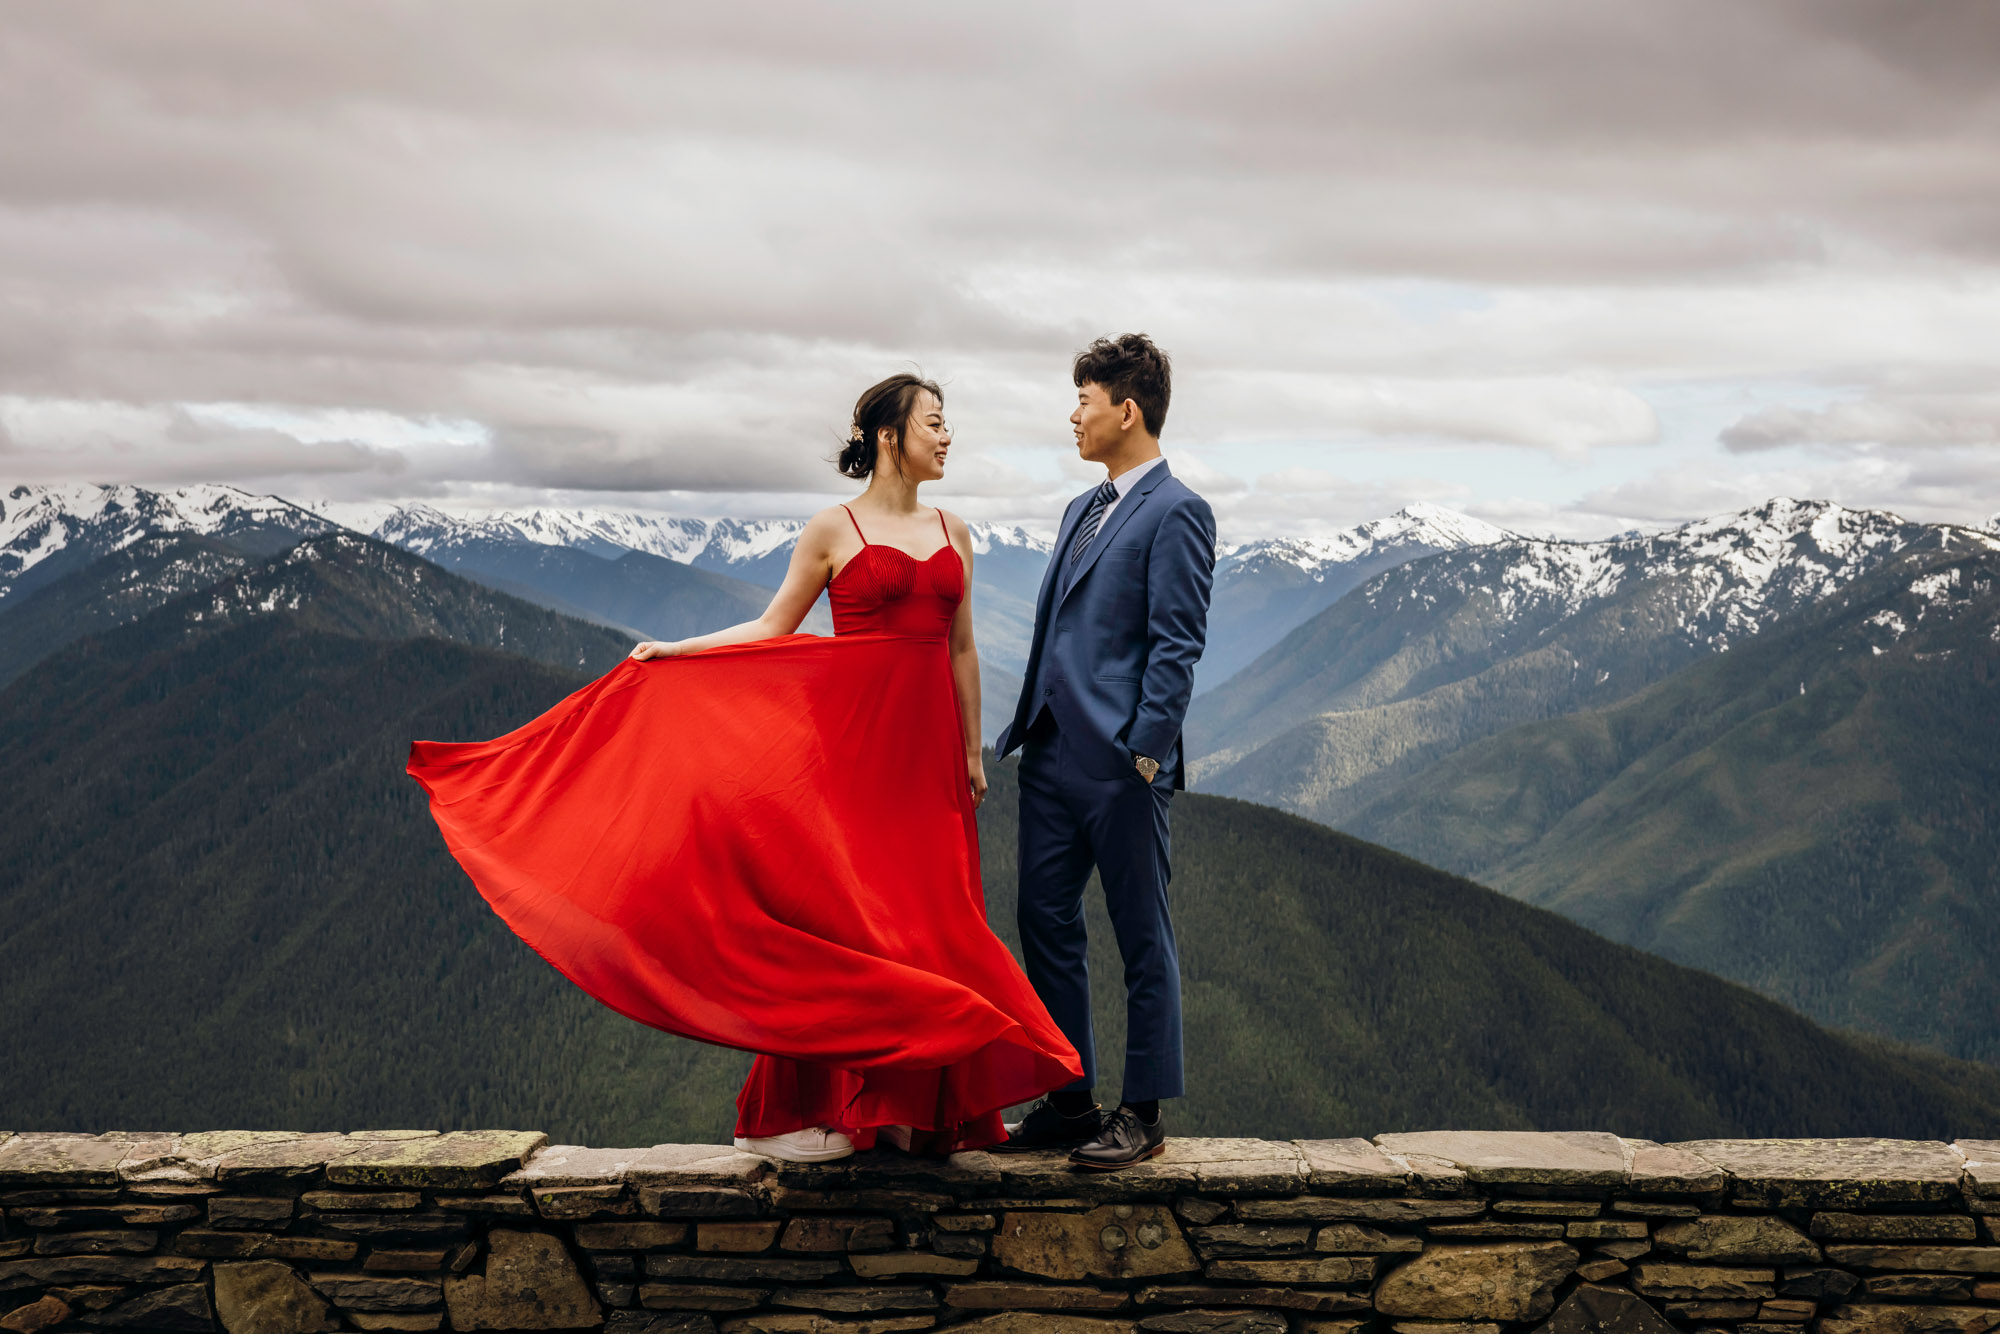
(857, 458)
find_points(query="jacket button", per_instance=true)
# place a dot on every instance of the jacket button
(1047, 693)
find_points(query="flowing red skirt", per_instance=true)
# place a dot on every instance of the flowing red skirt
(768, 846)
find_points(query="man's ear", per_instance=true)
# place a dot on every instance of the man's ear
(1128, 414)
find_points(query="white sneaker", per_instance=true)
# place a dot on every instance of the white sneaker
(896, 1135)
(818, 1145)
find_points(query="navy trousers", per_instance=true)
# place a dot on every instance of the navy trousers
(1069, 823)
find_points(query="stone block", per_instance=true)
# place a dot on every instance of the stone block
(1986, 1292)
(555, 1165)
(105, 1215)
(114, 1242)
(1606, 1229)
(1818, 1285)
(1923, 1259)
(410, 1226)
(902, 1203)
(1444, 1327)
(1357, 1239)
(965, 1222)
(396, 1320)
(637, 1235)
(262, 1246)
(676, 1201)
(740, 1237)
(1240, 1239)
(1216, 1322)
(1283, 1299)
(1834, 1174)
(458, 1160)
(1351, 1165)
(499, 1206)
(1328, 1209)
(1195, 1209)
(1919, 1287)
(658, 1322)
(405, 1261)
(617, 1294)
(1786, 1312)
(1655, 1209)
(740, 1269)
(1519, 1157)
(699, 1297)
(529, 1282)
(856, 1300)
(1597, 1271)
(371, 1201)
(1982, 1166)
(958, 1243)
(1041, 1322)
(1495, 1228)
(43, 1271)
(1621, 1250)
(1712, 1310)
(291, 1158)
(829, 1233)
(575, 1203)
(889, 1169)
(1868, 1318)
(265, 1297)
(713, 1165)
(1893, 1227)
(1112, 1242)
(1549, 1208)
(1670, 1169)
(1045, 1177)
(179, 1306)
(1500, 1281)
(1242, 1167)
(1690, 1282)
(36, 1316)
(907, 1264)
(805, 1322)
(370, 1292)
(1315, 1269)
(60, 1160)
(249, 1210)
(992, 1296)
(1736, 1239)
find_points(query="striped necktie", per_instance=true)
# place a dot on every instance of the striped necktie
(1093, 515)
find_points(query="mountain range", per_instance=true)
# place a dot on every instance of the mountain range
(227, 905)
(1675, 738)
(1757, 744)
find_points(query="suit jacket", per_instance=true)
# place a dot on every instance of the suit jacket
(1116, 641)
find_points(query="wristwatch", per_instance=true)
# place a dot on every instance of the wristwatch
(1147, 766)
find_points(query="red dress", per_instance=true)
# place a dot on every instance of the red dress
(771, 846)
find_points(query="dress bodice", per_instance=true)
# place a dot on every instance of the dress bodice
(886, 590)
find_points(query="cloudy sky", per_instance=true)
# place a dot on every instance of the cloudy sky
(1570, 265)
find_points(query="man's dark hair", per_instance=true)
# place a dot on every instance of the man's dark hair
(1129, 366)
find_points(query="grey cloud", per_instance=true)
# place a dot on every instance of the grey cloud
(659, 248)
(1874, 420)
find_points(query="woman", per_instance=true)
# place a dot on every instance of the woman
(765, 840)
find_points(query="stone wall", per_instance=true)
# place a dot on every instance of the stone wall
(1452, 1233)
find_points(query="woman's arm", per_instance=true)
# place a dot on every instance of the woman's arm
(965, 665)
(811, 567)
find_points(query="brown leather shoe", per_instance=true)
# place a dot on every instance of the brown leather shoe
(1125, 1140)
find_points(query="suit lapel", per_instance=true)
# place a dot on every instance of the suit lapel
(1044, 600)
(1127, 506)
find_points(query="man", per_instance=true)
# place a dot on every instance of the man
(1120, 622)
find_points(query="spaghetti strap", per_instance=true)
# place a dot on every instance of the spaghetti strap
(947, 531)
(857, 526)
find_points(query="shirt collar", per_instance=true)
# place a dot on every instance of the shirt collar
(1128, 479)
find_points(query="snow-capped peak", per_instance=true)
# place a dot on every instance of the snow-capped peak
(36, 522)
(1415, 529)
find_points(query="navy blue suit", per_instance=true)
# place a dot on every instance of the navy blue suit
(1110, 672)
